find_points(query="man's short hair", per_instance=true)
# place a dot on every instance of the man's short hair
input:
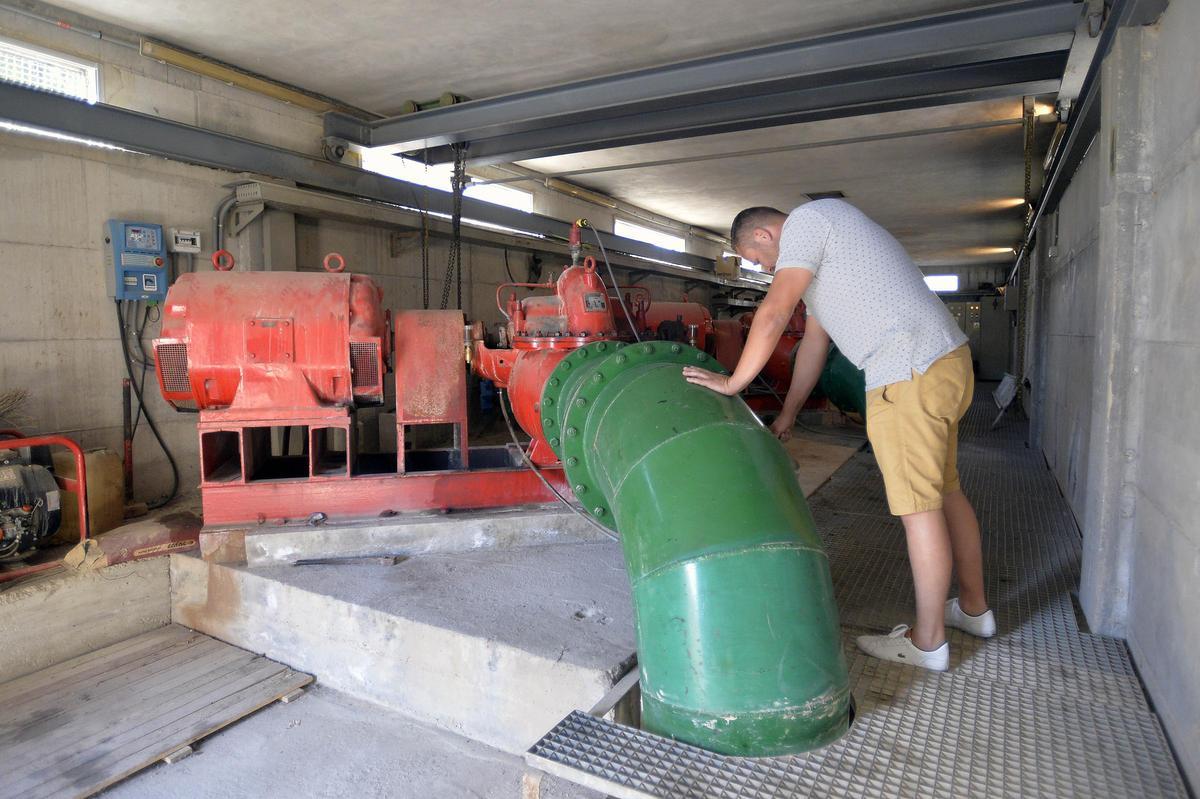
(751, 218)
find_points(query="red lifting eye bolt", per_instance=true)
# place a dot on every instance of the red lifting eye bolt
(222, 260)
(334, 262)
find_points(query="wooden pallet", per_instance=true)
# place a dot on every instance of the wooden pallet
(78, 727)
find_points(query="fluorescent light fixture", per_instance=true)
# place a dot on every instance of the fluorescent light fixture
(942, 283)
(49, 71)
(991, 251)
(1003, 203)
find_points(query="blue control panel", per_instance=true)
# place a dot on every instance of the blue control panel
(136, 260)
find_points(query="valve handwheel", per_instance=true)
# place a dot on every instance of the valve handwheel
(222, 260)
(331, 259)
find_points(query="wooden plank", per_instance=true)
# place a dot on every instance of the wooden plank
(86, 665)
(816, 460)
(54, 697)
(97, 718)
(184, 731)
(91, 752)
(182, 753)
(89, 723)
(147, 684)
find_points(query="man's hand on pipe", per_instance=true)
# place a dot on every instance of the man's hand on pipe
(722, 384)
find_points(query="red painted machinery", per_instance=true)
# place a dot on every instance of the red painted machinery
(542, 330)
(278, 364)
(691, 323)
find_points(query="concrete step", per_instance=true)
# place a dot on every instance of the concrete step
(404, 535)
(494, 644)
(327, 744)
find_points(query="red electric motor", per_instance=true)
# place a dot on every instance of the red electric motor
(542, 330)
(272, 340)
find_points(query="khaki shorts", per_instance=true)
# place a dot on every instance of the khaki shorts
(913, 428)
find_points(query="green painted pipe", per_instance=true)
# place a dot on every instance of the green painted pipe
(843, 383)
(738, 638)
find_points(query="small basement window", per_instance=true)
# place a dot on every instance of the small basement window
(942, 283)
(648, 235)
(49, 72)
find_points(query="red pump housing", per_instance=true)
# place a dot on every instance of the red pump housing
(543, 329)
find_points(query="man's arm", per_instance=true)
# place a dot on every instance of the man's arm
(770, 320)
(810, 360)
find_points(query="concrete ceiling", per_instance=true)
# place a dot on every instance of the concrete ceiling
(377, 54)
(949, 196)
(940, 192)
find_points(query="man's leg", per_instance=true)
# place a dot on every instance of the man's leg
(968, 552)
(931, 556)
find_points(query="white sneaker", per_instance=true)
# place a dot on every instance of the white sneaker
(983, 625)
(898, 647)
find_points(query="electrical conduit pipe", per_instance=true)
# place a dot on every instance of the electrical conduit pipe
(738, 638)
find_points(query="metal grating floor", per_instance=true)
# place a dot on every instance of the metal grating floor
(1043, 709)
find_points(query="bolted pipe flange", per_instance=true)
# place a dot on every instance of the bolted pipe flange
(579, 379)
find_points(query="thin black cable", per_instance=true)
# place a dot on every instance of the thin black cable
(149, 419)
(131, 326)
(501, 396)
(616, 288)
(145, 368)
(511, 279)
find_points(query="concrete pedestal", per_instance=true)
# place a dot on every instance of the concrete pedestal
(494, 644)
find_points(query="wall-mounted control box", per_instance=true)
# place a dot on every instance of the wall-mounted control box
(136, 260)
(181, 240)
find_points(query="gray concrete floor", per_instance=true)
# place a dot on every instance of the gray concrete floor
(326, 745)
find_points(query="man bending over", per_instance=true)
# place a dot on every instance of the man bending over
(863, 291)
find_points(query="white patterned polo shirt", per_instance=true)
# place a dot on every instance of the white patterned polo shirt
(866, 292)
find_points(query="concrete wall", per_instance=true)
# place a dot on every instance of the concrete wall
(1066, 280)
(58, 332)
(394, 261)
(1118, 355)
(49, 620)
(1163, 627)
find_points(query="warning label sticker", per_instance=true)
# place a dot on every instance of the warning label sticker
(595, 301)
